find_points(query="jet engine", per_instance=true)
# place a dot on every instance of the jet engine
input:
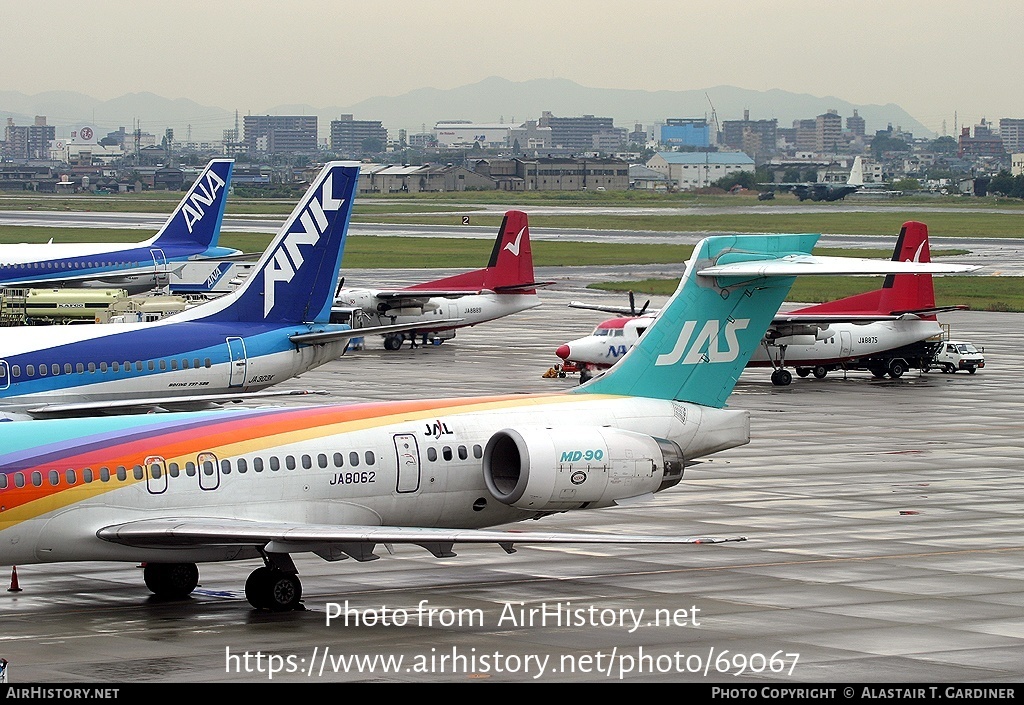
(555, 469)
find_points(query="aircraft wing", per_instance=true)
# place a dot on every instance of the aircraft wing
(799, 265)
(191, 402)
(827, 318)
(355, 541)
(328, 336)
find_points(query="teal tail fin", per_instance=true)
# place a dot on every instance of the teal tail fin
(704, 336)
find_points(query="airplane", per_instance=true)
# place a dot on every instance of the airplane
(824, 191)
(505, 286)
(190, 233)
(815, 339)
(174, 490)
(273, 327)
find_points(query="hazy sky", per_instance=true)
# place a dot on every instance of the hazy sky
(932, 57)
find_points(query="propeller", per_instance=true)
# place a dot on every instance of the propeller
(341, 283)
(632, 306)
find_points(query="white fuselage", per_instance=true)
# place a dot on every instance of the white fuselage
(398, 464)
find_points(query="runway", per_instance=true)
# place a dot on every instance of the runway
(883, 523)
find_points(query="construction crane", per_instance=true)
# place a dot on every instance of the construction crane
(714, 118)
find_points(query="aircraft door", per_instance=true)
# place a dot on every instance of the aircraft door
(159, 266)
(156, 474)
(845, 343)
(408, 454)
(236, 354)
(209, 471)
(5, 375)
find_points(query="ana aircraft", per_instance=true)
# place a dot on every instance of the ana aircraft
(273, 327)
(190, 233)
(173, 490)
(505, 286)
(815, 339)
(824, 190)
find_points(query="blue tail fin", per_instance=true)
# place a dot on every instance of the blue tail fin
(195, 223)
(295, 279)
(703, 337)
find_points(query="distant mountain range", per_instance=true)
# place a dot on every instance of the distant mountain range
(490, 100)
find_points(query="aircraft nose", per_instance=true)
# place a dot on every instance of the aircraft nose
(563, 352)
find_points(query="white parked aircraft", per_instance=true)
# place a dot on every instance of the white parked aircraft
(172, 490)
(878, 326)
(505, 286)
(190, 233)
(274, 327)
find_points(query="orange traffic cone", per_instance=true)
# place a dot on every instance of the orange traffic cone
(14, 580)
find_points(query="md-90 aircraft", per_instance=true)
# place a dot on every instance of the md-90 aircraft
(814, 339)
(505, 286)
(190, 233)
(174, 490)
(274, 327)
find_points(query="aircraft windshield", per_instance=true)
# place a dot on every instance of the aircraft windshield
(966, 348)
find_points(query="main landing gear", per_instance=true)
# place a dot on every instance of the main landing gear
(780, 375)
(171, 581)
(274, 586)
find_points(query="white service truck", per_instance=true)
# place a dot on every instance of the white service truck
(956, 355)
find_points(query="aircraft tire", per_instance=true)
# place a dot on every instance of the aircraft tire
(781, 377)
(392, 342)
(282, 591)
(819, 372)
(802, 371)
(255, 587)
(173, 581)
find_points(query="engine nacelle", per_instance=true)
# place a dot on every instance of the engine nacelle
(793, 340)
(357, 298)
(544, 469)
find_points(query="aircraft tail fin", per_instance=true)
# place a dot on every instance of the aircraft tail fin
(856, 173)
(510, 267)
(195, 223)
(900, 293)
(295, 279)
(704, 336)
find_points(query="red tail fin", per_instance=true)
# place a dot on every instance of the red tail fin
(510, 266)
(900, 292)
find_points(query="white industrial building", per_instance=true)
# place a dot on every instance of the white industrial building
(693, 170)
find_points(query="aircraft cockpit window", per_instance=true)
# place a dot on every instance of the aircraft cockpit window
(353, 459)
(617, 333)
(600, 331)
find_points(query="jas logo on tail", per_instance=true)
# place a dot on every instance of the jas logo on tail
(705, 347)
(203, 194)
(288, 257)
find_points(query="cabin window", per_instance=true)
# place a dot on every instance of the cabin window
(289, 462)
(37, 478)
(155, 471)
(138, 365)
(127, 367)
(195, 363)
(353, 459)
(307, 462)
(190, 468)
(446, 453)
(3, 372)
(138, 472)
(54, 478)
(225, 467)
(105, 474)
(42, 370)
(208, 467)
(92, 367)
(463, 453)
(151, 365)
(275, 464)
(174, 364)
(206, 362)
(3, 481)
(339, 460)
(19, 480)
(321, 460)
(79, 368)
(184, 364)
(257, 464)
(116, 366)
(432, 454)
(122, 473)
(67, 368)
(69, 476)
(243, 466)
(30, 370)
(368, 456)
(173, 470)
(55, 368)
(478, 452)
(163, 365)
(15, 370)
(87, 475)
(103, 367)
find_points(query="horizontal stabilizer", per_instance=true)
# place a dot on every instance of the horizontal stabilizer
(193, 532)
(800, 265)
(349, 333)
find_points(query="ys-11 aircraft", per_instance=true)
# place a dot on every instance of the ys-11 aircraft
(190, 233)
(273, 327)
(505, 286)
(174, 490)
(876, 326)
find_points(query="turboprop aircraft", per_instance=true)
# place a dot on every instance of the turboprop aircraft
(814, 339)
(174, 490)
(505, 286)
(272, 328)
(190, 233)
